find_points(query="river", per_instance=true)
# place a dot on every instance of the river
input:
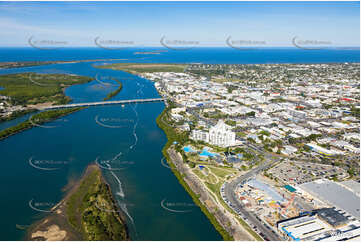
(38, 163)
(125, 140)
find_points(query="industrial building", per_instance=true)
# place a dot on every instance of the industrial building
(326, 224)
(332, 194)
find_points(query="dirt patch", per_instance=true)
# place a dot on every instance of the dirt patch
(53, 233)
(56, 226)
(40, 105)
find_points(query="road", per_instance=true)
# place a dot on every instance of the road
(102, 103)
(251, 219)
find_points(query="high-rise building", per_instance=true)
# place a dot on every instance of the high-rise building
(220, 135)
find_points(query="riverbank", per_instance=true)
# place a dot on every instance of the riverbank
(17, 114)
(29, 88)
(37, 120)
(172, 137)
(19, 64)
(88, 212)
(114, 93)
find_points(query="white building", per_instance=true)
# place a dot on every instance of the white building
(220, 135)
(297, 114)
(200, 135)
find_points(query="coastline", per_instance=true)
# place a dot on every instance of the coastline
(58, 224)
(20, 64)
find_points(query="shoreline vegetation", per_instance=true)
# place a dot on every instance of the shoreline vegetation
(87, 212)
(173, 136)
(115, 92)
(30, 91)
(19, 64)
(31, 88)
(17, 114)
(37, 120)
(138, 68)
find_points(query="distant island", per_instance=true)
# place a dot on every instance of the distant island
(88, 212)
(147, 53)
(138, 68)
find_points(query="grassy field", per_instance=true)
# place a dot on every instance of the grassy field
(222, 172)
(33, 88)
(136, 68)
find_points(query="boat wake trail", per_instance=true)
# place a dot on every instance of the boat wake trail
(134, 107)
(120, 193)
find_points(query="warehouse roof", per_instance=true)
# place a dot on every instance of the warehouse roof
(334, 194)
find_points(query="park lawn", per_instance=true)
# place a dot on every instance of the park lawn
(199, 173)
(211, 178)
(222, 172)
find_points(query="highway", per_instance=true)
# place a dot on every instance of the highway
(72, 105)
(252, 220)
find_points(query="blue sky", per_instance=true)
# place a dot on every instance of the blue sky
(209, 23)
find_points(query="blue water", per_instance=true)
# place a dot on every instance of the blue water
(127, 137)
(188, 149)
(203, 55)
(205, 152)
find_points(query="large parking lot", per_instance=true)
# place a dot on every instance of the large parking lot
(295, 173)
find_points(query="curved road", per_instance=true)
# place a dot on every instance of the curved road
(229, 188)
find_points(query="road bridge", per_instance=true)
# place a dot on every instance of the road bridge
(72, 105)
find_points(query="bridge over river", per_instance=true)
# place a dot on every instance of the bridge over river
(72, 105)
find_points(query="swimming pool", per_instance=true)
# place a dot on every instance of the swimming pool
(188, 149)
(205, 152)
